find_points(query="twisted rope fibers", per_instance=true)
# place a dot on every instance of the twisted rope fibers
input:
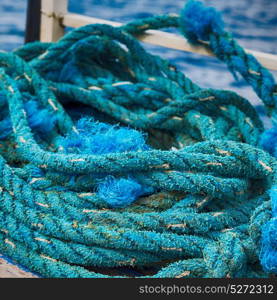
(80, 198)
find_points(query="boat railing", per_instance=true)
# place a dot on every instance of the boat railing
(54, 17)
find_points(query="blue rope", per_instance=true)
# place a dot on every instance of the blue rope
(111, 158)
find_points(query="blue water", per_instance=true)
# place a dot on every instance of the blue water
(253, 23)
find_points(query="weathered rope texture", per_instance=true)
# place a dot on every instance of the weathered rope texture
(114, 163)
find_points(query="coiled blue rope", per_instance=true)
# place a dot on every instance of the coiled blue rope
(112, 158)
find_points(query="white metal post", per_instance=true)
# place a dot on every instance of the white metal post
(52, 12)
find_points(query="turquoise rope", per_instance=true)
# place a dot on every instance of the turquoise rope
(205, 179)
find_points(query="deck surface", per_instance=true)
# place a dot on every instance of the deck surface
(8, 270)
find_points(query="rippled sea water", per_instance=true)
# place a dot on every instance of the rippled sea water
(252, 22)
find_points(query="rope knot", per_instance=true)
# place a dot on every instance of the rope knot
(197, 21)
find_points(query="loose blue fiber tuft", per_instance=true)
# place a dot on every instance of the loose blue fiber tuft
(269, 141)
(40, 120)
(268, 254)
(197, 21)
(119, 192)
(100, 138)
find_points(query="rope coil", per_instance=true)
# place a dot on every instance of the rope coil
(188, 198)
